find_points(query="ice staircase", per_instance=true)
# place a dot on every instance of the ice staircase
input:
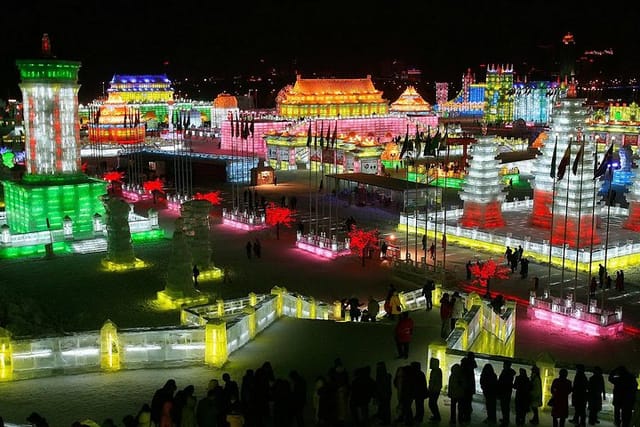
(89, 246)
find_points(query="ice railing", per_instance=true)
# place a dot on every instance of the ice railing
(208, 333)
(137, 224)
(590, 313)
(479, 316)
(246, 217)
(434, 222)
(322, 245)
(196, 340)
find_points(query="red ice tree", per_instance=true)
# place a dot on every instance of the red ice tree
(112, 178)
(276, 215)
(154, 187)
(360, 241)
(485, 271)
(212, 197)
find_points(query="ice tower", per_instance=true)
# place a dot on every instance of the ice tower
(482, 191)
(54, 186)
(566, 117)
(573, 205)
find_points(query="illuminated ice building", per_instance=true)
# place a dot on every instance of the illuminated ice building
(469, 102)
(54, 193)
(152, 96)
(498, 94)
(115, 122)
(353, 106)
(563, 199)
(533, 101)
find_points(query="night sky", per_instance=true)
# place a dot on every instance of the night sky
(329, 38)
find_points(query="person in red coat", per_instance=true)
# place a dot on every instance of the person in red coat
(404, 331)
(560, 391)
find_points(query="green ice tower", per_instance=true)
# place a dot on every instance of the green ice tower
(54, 186)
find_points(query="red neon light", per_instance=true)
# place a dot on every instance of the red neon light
(541, 214)
(113, 176)
(212, 197)
(359, 240)
(585, 232)
(482, 215)
(154, 185)
(633, 222)
(275, 215)
(485, 271)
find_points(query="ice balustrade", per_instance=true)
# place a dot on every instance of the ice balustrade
(135, 193)
(237, 333)
(157, 347)
(548, 371)
(321, 244)
(143, 348)
(565, 312)
(137, 224)
(244, 218)
(239, 319)
(435, 223)
(51, 355)
(479, 315)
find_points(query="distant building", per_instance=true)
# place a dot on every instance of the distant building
(330, 98)
(141, 88)
(534, 101)
(410, 101)
(223, 105)
(152, 96)
(442, 92)
(620, 123)
(115, 122)
(469, 102)
(498, 95)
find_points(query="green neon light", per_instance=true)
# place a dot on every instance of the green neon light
(516, 182)
(49, 70)
(147, 236)
(29, 204)
(7, 159)
(59, 248)
(450, 183)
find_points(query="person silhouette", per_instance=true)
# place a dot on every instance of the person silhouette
(196, 273)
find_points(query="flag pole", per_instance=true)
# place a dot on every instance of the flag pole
(435, 216)
(444, 216)
(564, 238)
(426, 214)
(310, 167)
(593, 217)
(553, 204)
(606, 238)
(406, 208)
(581, 160)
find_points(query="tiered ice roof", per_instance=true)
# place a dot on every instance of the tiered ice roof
(482, 183)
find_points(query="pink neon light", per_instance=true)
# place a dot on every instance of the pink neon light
(135, 197)
(363, 126)
(323, 252)
(253, 145)
(576, 324)
(174, 205)
(242, 225)
(541, 216)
